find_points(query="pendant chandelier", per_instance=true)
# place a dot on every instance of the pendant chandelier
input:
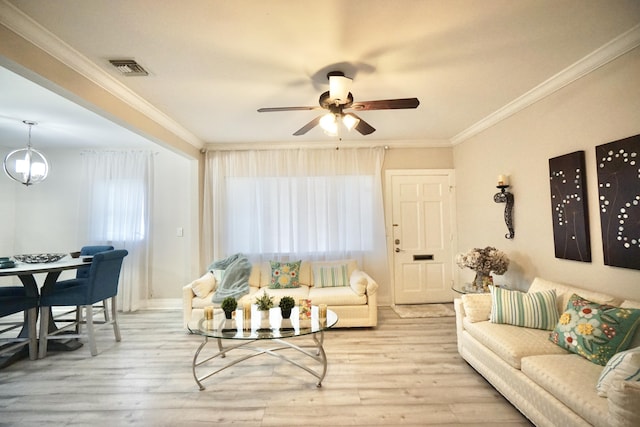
(26, 165)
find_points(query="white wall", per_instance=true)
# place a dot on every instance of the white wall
(45, 217)
(599, 108)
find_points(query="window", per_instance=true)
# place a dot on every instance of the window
(282, 215)
(119, 210)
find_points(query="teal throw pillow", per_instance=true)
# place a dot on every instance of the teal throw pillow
(285, 275)
(595, 331)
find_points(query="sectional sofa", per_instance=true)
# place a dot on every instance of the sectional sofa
(548, 384)
(354, 300)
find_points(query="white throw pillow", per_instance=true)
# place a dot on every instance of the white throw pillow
(358, 282)
(623, 366)
(204, 285)
(477, 307)
(624, 404)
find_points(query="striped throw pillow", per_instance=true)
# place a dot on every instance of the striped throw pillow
(536, 310)
(330, 276)
(623, 366)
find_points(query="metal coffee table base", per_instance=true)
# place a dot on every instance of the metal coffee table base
(317, 354)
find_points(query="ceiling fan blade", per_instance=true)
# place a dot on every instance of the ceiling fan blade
(386, 104)
(306, 128)
(272, 109)
(363, 127)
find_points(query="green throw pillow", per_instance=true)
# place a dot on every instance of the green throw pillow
(330, 276)
(536, 310)
(595, 331)
(285, 275)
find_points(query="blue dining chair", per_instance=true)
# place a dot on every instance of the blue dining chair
(83, 272)
(100, 285)
(14, 299)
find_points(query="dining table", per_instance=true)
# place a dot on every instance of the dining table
(27, 272)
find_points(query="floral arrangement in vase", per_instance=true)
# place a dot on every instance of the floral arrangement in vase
(483, 262)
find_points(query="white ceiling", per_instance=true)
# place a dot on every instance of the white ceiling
(213, 63)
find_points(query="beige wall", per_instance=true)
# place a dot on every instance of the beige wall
(599, 108)
(418, 158)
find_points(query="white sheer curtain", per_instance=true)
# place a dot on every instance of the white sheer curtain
(311, 204)
(116, 201)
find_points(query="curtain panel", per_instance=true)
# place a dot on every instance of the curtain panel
(297, 203)
(116, 202)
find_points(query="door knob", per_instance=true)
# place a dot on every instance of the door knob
(397, 249)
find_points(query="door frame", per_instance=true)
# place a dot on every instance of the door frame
(388, 209)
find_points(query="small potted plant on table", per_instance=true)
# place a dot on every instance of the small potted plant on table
(264, 303)
(229, 304)
(286, 304)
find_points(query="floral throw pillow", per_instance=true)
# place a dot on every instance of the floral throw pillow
(285, 275)
(595, 331)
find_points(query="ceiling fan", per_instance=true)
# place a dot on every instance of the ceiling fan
(338, 99)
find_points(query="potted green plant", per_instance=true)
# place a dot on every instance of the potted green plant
(229, 304)
(286, 304)
(264, 303)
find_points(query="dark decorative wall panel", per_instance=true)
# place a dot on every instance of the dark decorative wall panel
(569, 207)
(618, 166)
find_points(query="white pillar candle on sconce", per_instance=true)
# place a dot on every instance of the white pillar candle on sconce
(502, 180)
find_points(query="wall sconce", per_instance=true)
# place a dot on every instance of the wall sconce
(505, 197)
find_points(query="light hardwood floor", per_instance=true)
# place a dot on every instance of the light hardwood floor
(404, 372)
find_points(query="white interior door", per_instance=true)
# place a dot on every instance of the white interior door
(422, 218)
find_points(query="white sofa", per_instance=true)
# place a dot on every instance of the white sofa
(549, 385)
(356, 304)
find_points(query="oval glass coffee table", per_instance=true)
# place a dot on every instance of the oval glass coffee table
(262, 336)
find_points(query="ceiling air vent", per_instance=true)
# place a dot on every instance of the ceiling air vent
(128, 67)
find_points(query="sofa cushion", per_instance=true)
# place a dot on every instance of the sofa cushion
(530, 310)
(330, 276)
(624, 404)
(623, 366)
(570, 379)
(204, 285)
(477, 307)
(595, 331)
(300, 292)
(512, 343)
(285, 274)
(336, 296)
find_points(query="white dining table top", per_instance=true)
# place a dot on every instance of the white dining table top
(66, 263)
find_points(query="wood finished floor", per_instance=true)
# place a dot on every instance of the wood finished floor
(404, 372)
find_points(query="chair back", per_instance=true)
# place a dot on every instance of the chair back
(104, 274)
(83, 272)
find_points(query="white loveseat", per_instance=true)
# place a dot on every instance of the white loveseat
(355, 304)
(549, 385)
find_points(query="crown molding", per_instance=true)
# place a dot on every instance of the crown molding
(235, 146)
(622, 44)
(30, 30)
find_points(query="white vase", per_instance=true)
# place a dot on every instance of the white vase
(264, 319)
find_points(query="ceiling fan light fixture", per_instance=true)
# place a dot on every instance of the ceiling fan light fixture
(350, 121)
(27, 165)
(339, 88)
(329, 124)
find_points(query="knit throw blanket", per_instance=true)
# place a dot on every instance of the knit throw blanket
(235, 282)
